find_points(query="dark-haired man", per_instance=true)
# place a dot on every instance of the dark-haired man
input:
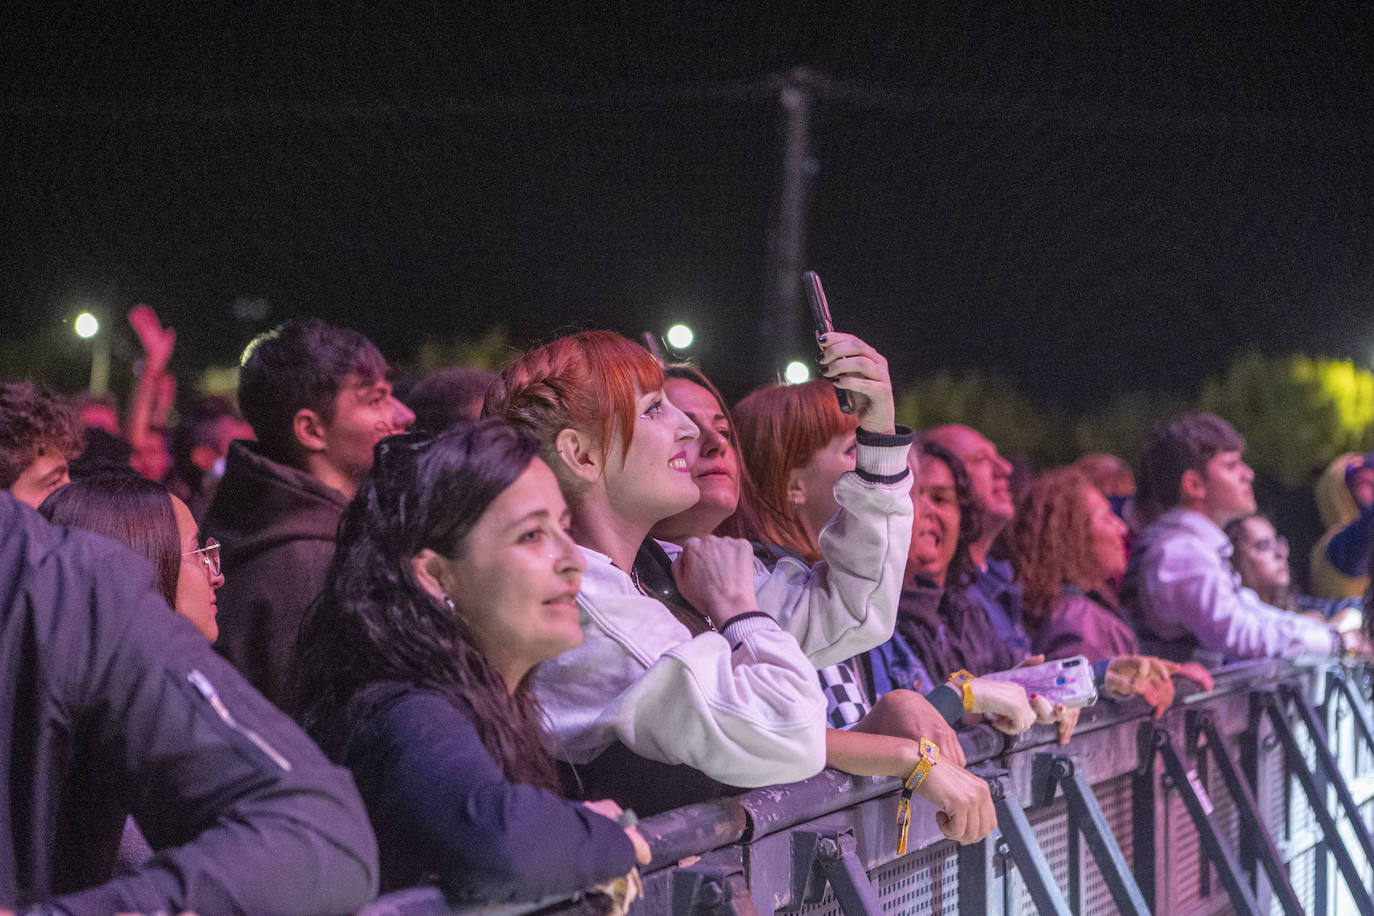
(1179, 583)
(38, 437)
(318, 399)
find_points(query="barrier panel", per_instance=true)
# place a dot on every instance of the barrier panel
(1255, 797)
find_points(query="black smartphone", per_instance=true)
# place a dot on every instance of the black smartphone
(820, 316)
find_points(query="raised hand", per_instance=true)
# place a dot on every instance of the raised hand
(861, 370)
(157, 342)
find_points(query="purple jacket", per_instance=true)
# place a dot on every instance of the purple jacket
(1082, 623)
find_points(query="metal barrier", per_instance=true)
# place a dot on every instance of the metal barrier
(1237, 800)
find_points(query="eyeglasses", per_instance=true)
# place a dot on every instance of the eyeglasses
(1271, 545)
(209, 555)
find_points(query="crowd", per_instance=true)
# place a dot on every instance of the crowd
(463, 634)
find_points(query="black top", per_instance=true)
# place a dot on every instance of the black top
(444, 810)
(277, 525)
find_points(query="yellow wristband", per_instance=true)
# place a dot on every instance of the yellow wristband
(930, 755)
(964, 681)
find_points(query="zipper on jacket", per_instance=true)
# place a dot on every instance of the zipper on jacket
(207, 690)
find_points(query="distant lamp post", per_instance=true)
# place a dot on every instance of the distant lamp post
(680, 337)
(797, 372)
(87, 327)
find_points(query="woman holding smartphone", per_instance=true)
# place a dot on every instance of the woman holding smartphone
(454, 577)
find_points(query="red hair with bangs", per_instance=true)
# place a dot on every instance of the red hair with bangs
(780, 428)
(587, 381)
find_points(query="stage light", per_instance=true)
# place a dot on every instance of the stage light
(797, 372)
(680, 337)
(86, 325)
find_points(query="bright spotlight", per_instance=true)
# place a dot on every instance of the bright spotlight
(86, 325)
(796, 372)
(680, 337)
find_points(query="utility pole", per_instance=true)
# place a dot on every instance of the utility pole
(780, 328)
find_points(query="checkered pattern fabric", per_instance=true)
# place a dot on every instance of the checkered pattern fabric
(845, 702)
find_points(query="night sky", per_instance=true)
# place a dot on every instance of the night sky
(1086, 199)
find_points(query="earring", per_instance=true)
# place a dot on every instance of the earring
(448, 602)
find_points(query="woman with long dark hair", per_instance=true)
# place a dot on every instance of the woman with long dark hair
(145, 517)
(453, 578)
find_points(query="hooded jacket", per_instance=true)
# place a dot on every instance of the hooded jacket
(1338, 511)
(277, 527)
(110, 703)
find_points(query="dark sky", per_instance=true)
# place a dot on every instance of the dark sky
(1084, 199)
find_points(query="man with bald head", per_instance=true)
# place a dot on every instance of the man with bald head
(995, 588)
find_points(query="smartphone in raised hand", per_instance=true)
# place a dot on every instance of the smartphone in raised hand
(820, 317)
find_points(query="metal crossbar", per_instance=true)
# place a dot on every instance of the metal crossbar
(1086, 815)
(1337, 686)
(1297, 765)
(1241, 897)
(1025, 851)
(1248, 808)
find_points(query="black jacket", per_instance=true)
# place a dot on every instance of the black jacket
(110, 703)
(277, 525)
(445, 811)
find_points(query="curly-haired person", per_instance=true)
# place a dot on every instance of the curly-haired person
(39, 435)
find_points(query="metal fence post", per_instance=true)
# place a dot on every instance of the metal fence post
(1025, 851)
(1316, 798)
(1216, 850)
(1244, 799)
(1086, 815)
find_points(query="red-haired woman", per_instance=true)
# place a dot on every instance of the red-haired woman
(796, 443)
(718, 683)
(885, 740)
(1067, 546)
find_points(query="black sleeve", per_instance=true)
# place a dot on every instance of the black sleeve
(245, 813)
(431, 785)
(949, 702)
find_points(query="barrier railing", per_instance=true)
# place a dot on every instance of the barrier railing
(1236, 800)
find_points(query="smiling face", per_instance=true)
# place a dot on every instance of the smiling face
(1261, 558)
(514, 583)
(713, 460)
(1108, 536)
(654, 481)
(989, 471)
(364, 414)
(196, 581)
(935, 526)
